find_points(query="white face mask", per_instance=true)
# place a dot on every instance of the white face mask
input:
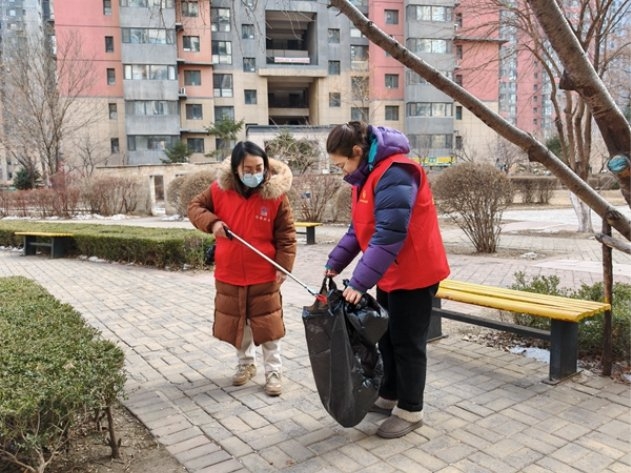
(252, 180)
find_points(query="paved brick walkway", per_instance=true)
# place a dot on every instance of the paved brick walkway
(486, 410)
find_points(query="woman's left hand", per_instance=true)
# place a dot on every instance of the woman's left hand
(280, 277)
(351, 295)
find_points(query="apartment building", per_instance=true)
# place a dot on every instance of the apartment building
(18, 19)
(165, 70)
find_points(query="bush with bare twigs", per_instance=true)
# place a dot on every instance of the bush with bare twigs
(311, 194)
(190, 186)
(474, 196)
(111, 195)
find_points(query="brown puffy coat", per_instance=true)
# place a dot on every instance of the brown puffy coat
(261, 304)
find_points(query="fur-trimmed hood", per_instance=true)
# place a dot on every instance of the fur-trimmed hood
(277, 184)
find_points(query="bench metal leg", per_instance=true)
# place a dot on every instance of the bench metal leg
(29, 249)
(435, 323)
(58, 247)
(310, 235)
(563, 350)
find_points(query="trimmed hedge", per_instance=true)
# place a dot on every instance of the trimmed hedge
(56, 373)
(172, 248)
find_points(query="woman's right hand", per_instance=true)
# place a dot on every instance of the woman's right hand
(330, 273)
(218, 229)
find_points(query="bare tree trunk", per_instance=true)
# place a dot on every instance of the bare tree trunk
(583, 214)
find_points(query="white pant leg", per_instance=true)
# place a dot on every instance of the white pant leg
(247, 353)
(271, 356)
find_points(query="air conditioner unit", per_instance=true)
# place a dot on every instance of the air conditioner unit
(182, 90)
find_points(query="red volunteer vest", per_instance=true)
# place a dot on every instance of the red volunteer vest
(253, 220)
(422, 260)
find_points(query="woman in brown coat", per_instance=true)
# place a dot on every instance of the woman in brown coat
(249, 198)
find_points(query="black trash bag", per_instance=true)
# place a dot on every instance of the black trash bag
(345, 360)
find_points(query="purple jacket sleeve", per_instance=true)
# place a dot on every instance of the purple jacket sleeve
(344, 252)
(395, 195)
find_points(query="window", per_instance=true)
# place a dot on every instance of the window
(334, 68)
(222, 85)
(249, 64)
(109, 44)
(356, 33)
(429, 109)
(359, 57)
(458, 142)
(250, 96)
(151, 142)
(194, 111)
(193, 77)
(429, 13)
(114, 146)
(220, 19)
(359, 114)
(458, 79)
(147, 36)
(151, 107)
(392, 112)
(359, 88)
(112, 111)
(148, 3)
(247, 31)
(391, 17)
(190, 43)
(334, 36)
(392, 81)
(111, 76)
(458, 52)
(221, 52)
(149, 72)
(335, 99)
(224, 113)
(107, 7)
(458, 112)
(195, 145)
(190, 8)
(428, 45)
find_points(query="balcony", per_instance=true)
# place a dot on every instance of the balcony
(287, 56)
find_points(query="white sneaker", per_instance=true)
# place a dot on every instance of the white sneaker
(273, 386)
(243, 374)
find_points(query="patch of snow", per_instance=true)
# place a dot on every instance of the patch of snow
(538, 354)
(627, 377)
(529, 255)
(173, 218)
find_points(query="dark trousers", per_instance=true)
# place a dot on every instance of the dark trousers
(404, 346)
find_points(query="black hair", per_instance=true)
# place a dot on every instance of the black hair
(239, 152)
(343, 137)
(242, 149)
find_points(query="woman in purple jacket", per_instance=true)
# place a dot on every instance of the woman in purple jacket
(395, 226)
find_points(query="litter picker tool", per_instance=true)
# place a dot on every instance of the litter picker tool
(231, 234)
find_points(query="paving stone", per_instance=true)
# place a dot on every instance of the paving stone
(486, 410)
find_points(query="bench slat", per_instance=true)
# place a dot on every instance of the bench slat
(561, 308)
(44, 234)
(307, 224)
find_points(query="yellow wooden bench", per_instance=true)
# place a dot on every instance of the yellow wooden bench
(58, 242)
(309, 230)
(564, 314)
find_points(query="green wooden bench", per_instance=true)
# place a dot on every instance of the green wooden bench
(57, 242)
(564, 314)
(309, 230)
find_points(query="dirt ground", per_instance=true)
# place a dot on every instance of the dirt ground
(140, 453)
(89, 452)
